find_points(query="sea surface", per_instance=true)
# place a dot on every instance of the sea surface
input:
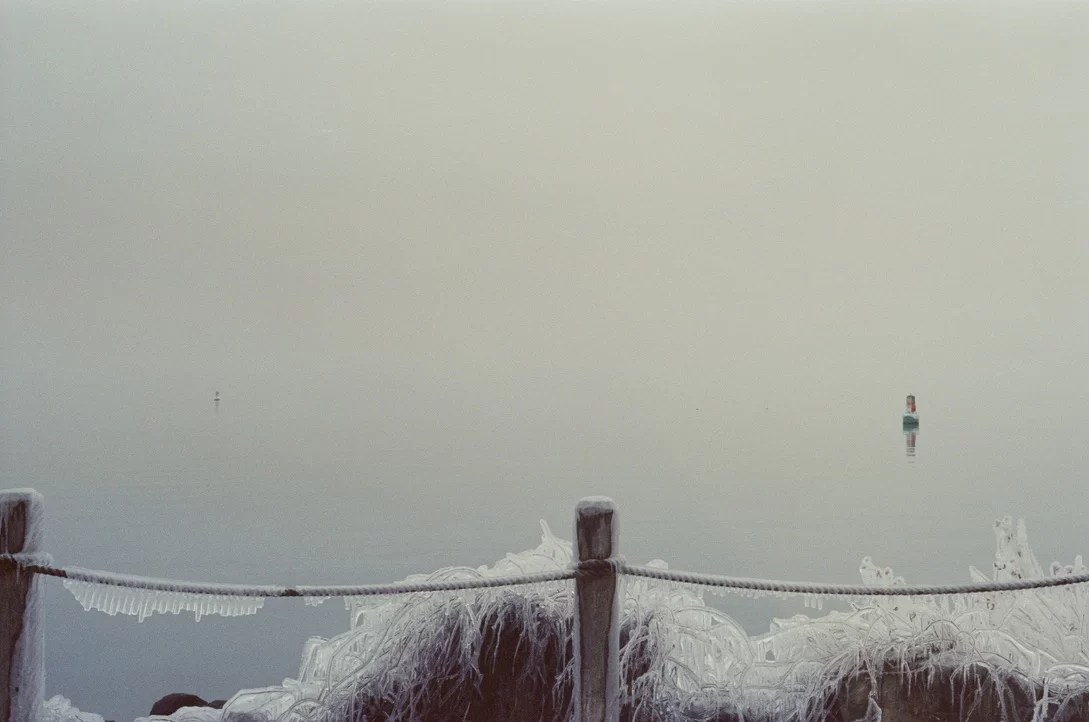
(452, 267)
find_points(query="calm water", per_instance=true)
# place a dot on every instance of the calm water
(452, 269)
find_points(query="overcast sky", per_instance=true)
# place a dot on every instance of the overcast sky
(502, 185)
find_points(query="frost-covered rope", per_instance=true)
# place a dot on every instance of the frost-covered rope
(40, 564)
(848, 590)
(31, 563)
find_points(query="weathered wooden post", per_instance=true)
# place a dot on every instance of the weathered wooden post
(597, 617)
(22, 666)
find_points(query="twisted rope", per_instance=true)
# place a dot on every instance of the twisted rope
(849, 590)
(32, 564)
(597, 567)
(41, 564)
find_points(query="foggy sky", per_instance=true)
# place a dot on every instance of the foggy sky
(492, 190)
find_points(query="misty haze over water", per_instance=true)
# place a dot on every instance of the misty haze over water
(453, 266)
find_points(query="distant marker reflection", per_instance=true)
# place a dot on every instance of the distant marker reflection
(911, 433)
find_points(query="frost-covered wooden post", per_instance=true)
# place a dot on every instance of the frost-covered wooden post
(22, 667)
(597, 617)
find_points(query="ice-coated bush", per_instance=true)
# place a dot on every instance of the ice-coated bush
(506, 654)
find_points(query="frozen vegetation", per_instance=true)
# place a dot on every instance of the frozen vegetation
(505, 654)
(60, 709)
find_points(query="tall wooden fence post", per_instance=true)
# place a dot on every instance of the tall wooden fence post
(22, 666)
(597, 618)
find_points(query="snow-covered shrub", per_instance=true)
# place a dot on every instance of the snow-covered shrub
(505, 654)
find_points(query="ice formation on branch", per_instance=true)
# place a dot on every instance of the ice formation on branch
(1021, 650)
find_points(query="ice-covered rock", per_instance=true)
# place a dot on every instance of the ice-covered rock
(681, 655)
(187, 714)
(60, 709)
(170, 703)
(505, 653)
(377, 646)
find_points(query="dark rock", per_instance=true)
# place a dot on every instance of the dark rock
(1072, 708)
(965, 694)
(174, 701)
(217, 703)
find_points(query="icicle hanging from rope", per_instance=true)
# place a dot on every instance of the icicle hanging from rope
(143, 603)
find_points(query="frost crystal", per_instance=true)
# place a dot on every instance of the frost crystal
(506, 653)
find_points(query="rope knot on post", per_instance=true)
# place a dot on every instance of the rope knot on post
(586, 568)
